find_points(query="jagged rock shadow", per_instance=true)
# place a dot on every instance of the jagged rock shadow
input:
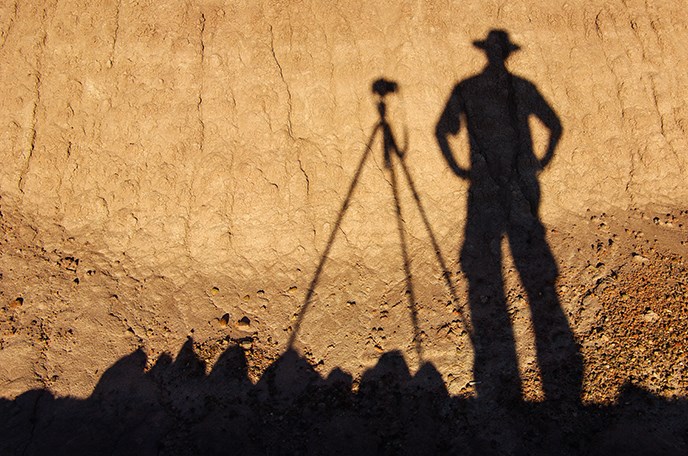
(175, 408)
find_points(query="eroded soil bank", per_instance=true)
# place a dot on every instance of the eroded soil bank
(232, 387)
(374, 266)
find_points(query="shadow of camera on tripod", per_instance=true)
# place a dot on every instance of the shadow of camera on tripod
(394, 157)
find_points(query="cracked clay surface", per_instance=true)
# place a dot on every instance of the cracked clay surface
(175, 171)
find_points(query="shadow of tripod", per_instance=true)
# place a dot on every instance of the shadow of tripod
(392, 154)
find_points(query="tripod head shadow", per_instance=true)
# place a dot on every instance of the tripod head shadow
(383, 87)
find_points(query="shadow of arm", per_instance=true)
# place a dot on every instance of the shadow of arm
(450, 124)
(543, 111)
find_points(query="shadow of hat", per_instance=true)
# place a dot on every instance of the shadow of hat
(497, 39)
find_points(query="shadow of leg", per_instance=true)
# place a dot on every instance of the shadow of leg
(558, 356)
(495, 364)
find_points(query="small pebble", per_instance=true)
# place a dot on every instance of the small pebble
(650, 317)
(640, 259)
(16, 303)
(244, 323)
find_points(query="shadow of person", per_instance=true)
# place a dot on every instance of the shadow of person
(503, 200)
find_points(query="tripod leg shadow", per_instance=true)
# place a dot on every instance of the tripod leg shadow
(410, 293)
(330, 241)
(446, 273)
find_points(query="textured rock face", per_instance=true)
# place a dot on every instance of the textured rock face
(195, 158)
(224, 135)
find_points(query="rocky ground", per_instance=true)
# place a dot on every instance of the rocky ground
(232, 386)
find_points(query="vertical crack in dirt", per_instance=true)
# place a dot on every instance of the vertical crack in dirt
(199, 105)
(308, 181)
(34, 111)
(201, 134)
(115, 34)
(286, 86)
(631, 175)
(6, 33)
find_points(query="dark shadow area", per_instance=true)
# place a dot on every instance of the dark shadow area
(495, 106)
(175, 408)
